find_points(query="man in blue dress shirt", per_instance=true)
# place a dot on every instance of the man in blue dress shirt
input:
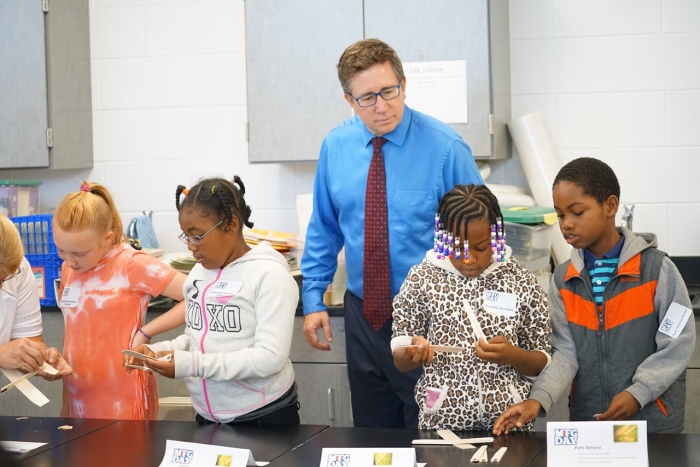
(423, 159)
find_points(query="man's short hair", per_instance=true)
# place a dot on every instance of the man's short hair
(362, 55)
(595, 178)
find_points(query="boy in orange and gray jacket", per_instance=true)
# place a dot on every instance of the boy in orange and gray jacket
(623, 328)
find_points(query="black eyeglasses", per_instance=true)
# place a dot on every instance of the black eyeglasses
(196, 239)
(11, 276)
(369, 99)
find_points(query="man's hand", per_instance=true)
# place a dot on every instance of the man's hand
(56, 360)
(497, 350)
(23, 354)
(622, 407)
(312, 323)
(516, 416)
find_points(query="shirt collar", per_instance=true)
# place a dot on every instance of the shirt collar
(589, 258)
(398, 135)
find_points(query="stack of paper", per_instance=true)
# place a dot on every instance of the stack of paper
(278, 240)
(182, 262)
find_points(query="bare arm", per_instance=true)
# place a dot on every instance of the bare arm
(169, 320)
(410, 358)
(174, 288)
(500, 350)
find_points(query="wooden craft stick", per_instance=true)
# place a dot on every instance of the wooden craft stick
(17, 381)
(499, 454)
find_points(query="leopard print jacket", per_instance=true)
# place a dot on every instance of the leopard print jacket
(475, 392)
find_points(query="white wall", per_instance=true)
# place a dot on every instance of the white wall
(619, 80)
(614, 79)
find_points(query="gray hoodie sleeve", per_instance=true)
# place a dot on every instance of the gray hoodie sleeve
(656, 374)
(557, 377)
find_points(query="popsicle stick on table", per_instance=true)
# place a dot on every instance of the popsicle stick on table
(451, 439)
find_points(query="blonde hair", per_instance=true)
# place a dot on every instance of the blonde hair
(11, 251)
(90, 208)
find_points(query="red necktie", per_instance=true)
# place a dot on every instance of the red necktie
(376, 280)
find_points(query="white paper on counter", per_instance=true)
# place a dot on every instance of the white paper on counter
(27, 388)
(540, 167)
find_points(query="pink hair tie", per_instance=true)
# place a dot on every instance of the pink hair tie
(85, 187)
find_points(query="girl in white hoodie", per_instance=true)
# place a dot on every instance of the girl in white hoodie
(239, 310)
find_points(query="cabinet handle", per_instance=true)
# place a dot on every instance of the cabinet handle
(352, 419)
(331, 414)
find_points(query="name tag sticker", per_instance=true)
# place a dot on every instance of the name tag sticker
(675, 319)
(70, 297)
(226, 288)
(500, 303)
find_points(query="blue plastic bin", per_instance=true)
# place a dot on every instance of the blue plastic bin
(39, 249)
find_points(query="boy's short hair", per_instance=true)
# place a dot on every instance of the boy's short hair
(594, 176)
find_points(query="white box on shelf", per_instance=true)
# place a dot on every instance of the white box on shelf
(531, 244)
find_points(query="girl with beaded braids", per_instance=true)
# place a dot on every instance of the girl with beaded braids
(470, 293)
(105, 288)
(240, 306)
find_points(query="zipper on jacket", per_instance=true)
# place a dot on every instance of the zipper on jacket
(603, 341)
(481, 402)
(600, 314)
(205, 322)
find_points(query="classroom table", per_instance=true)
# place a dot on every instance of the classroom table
(112, 443)
(45, 430)
(677, 450)
(522, 447)
(142, 443)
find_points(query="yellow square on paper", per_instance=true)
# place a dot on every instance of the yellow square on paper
(625, 433)
(382, 458)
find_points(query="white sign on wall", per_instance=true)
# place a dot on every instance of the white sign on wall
(438, 89)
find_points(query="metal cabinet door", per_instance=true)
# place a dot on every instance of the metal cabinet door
(23, 87)
(45, 83)
(323, 397)
(471, 30)
(294, 97)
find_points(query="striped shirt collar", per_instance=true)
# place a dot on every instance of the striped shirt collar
(590, 258)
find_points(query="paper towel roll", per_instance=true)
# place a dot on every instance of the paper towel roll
(304, 208)
(485, 170)
(540, 167)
